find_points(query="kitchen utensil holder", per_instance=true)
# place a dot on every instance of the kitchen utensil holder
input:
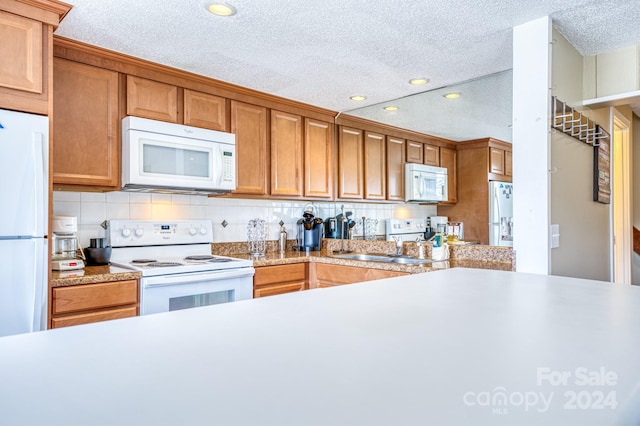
(370, 227)
(257, 237)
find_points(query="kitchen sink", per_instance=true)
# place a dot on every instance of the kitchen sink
(386, 258)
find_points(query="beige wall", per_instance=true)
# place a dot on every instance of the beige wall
(584, 224)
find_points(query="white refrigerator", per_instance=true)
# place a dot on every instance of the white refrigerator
(24, 165)
(500, 214)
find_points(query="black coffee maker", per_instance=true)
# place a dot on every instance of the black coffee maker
(339, 226)
(310, 232)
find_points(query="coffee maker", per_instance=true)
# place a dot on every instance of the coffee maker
(64, 244)
(310, 232)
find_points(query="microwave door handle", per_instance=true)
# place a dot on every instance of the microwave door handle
(217, 173)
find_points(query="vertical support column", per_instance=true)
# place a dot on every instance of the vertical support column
(531, 144)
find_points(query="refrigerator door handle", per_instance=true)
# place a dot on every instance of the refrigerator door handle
(40, 174)
(496, 200)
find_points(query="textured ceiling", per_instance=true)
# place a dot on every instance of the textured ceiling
(323, 52)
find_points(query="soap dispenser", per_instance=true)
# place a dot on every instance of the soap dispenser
(282, 240)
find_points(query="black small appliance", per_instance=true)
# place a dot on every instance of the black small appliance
(310, 232)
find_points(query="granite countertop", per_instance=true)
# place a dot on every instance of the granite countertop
(288, 257)
(92, 275)
(480, 257)
(461, 256)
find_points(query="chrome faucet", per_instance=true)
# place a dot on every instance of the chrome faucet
(342, 228)
(364, 228)
(420, 244)
(398, 240)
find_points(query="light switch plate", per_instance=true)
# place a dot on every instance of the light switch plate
(555, 235)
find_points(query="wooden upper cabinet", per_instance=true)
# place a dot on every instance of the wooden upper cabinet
(249, 124)
(415, 152)
(374, 166)
(204, 110)
(318, 158)
(21, 52)
(350, 167)
(286, 154)
(508, 163)
(448, 160)
(86, 134)
(395, 168)
(496, 159)
(431, 155)
(26, 53)
(152, 99)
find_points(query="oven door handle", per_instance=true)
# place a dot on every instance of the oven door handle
(195, 277)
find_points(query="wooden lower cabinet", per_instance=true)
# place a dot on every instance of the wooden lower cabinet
(328, 275)
(279, 279)
(83, 304)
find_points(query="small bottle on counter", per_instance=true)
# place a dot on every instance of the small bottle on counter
(282, 240)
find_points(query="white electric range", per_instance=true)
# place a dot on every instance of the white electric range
(178, 270)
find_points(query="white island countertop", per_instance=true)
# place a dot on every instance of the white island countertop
(458, 346)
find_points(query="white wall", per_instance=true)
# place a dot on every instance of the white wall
(91, 208)
(531, 83)
(584, 224)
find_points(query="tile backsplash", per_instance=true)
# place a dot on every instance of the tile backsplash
(92, 208)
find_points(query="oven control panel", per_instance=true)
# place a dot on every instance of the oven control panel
(133, 233)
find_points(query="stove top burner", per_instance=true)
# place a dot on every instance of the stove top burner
(143, 261)
(219, 260)
(200, 257)
(163, 264)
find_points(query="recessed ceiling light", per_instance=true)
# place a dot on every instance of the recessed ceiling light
(418, 81)
(357, 98)
(452, 95)
(391, 108)
(222, 9)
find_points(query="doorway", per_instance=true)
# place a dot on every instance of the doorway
(621, 199)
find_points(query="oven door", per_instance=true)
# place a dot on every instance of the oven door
(190, 290)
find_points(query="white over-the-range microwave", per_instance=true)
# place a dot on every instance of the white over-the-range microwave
(425, 184)
(167, 157)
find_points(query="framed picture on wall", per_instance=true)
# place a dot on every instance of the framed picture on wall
(602, 170)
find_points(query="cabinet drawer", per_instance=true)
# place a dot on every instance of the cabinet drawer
(272, 290)
(94, 296)
(89, 317)
(279, 274)
(328, 275)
